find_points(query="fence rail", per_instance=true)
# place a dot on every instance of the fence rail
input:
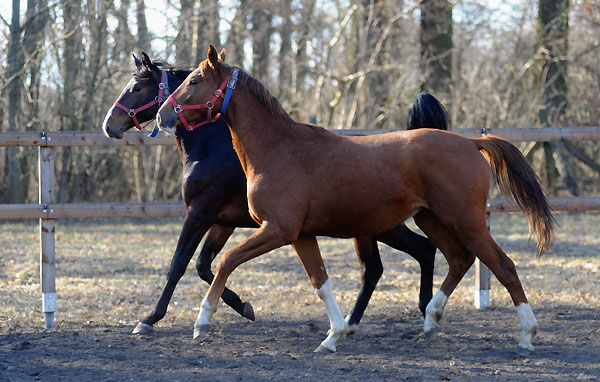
(80, 138)
(47, 211)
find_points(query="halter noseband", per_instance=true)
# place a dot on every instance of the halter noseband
(229, 82)
(163, 88)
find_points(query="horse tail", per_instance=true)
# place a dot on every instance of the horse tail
(516, 177)
(427, 112)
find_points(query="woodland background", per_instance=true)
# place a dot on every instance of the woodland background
(339, 63)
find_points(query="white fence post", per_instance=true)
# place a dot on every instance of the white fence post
(47, 243)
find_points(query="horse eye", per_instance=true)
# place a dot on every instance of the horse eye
(136, 89)
(193, 82)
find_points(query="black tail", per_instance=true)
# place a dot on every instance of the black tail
(427, 112)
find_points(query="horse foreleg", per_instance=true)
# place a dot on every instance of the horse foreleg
(265, 239)
(216, 238)
(307, 249)
(421, 249)
(372, 269)
(191, 233)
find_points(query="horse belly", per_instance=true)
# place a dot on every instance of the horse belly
(355, 218)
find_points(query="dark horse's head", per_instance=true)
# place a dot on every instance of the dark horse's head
(141, 90)
(427, 113)
(198, 90)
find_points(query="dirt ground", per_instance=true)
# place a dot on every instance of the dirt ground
(101, 296)
(473, 346)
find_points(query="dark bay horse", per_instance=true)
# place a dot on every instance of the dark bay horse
(305, 181)
(214, 191)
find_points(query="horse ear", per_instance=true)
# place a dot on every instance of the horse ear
(146, 60)
(136, 60)
(212, 56)
(222, 54)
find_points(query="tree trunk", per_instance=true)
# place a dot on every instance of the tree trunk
(378, 80)
(261, 42)
(71, 106)
(237, 36)
(299, 111)
(553, 50)
(207, 28)
(553, 24)
(15, 64)
(436, 48)
(285, 57)
(124, 41)
(143, 36)
(184, 38)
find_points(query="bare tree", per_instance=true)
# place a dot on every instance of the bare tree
(237, 35)
(553, 24)
(436, 48)
(262, 29)
(15, 64)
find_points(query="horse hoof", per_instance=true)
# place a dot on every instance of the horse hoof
(524, 351)
(142, 328)
(432, 333)
(324, 350)
(351, 330)
(200, 329)
(248, 311)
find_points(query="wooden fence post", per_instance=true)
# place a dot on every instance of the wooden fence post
(482, 279)
(47, 243)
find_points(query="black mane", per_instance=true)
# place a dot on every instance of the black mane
(142, 72)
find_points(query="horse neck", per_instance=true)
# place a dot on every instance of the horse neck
(205, 141)
(257, 135)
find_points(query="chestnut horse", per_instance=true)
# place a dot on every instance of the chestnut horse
(304, 181)
(214, 191)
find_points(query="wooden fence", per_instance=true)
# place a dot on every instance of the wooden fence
(47, 210)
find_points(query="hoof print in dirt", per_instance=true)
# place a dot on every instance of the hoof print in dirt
(142, 328)
(248, 311)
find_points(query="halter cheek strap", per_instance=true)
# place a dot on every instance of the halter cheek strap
(229, 83)
(163, 90)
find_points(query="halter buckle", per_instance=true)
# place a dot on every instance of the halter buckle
(162, 85)
(177, 109)
(219, 93)
(131, 112)
(210, 105)
(234, 79)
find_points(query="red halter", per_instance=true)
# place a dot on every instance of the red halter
(157, 100)
(208, 105)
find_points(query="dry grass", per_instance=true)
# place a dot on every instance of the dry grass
(111, 272)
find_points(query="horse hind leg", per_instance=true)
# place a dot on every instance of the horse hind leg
(459, 261)
(421, 249)
(372, 269)
(504, 269)
(307, 249)
(216, 238)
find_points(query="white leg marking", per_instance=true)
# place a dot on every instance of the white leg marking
(351, 328)
(206, 312)
(529, 325)
(339, 329)
(434, 311)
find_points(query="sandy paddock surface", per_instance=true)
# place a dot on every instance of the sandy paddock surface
(109, 274)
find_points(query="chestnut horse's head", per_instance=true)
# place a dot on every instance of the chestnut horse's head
(139, 101)
(200, 95)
